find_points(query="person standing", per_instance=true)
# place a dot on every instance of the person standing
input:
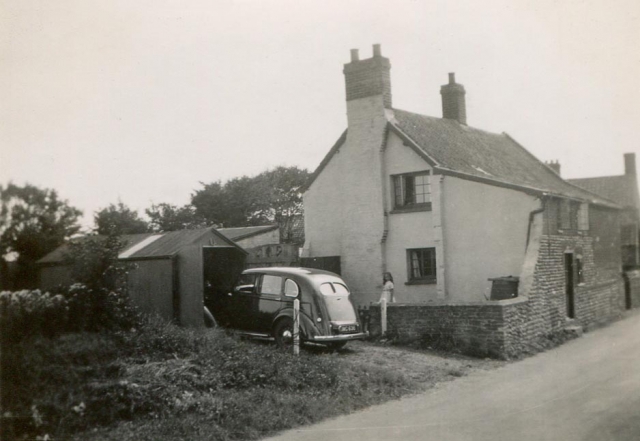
(387, 288)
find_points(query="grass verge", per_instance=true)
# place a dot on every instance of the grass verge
(165, 382)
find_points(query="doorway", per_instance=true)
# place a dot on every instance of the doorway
(569, 283)
(221, 266)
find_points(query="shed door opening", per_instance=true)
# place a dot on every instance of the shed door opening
(569, 284)
(221, 266)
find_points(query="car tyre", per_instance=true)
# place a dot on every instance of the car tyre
(283, 333)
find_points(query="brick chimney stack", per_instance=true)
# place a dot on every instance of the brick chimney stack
(368, 77)
(453, 103)
(554, 165)
(630, 164)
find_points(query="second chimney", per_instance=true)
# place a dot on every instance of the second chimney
(554, 165)
(630, 164)
(453, 102)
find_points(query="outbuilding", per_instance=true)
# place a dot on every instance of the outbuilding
(171, 272)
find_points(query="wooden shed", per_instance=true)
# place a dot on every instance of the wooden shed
(168, 271)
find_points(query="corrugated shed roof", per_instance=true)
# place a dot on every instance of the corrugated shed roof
(171, 243)
(623, 189)
(244, 232)
(168, 244)
(59, 254)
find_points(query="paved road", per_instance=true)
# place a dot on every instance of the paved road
(587, 389)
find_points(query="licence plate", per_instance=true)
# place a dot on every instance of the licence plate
(348, 328)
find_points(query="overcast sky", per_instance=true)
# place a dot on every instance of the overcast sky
(139, 101)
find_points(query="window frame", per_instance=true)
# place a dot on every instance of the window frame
(583, 216)
(426, 279)
(564, 214)
(399, 193)
(286, 281)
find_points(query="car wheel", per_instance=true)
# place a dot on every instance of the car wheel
(283, 333)
(336, 346)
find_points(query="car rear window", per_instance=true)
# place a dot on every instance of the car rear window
(334, 289)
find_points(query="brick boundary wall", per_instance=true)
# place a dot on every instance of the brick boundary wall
(482, 329)
(633, 278)
(501, 329)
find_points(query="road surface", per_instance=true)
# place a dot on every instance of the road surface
(588, 389)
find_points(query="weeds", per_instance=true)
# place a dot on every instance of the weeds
(179, 383)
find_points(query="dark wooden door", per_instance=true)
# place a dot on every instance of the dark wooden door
(222, 266)
(569, 276)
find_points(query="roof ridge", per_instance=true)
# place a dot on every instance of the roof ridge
(452, 121)
(597, 177)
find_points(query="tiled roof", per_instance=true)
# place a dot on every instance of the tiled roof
(623, 190)
(488, 156)
(244, 232)
(459, 150)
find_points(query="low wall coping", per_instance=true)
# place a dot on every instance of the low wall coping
(505, 302)
(633, 274)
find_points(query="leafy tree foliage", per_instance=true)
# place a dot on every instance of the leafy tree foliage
(168, 217)
(33, 222)
(119, 219)
(270, 197)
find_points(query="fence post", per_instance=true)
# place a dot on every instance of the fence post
(383, 316)
(296, 327)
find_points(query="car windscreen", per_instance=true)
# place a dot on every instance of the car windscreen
(336, 298)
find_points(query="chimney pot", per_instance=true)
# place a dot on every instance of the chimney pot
(630, 164)
(452, 78)
(554, 165)
(368, 77)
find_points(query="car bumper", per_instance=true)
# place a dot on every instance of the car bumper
(340, 337)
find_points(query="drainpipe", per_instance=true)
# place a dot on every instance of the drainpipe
(531, 216)
(385, 213)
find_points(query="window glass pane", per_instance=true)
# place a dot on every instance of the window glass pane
(583, 217)
(246, 282)
(397, 186)
(340, 289)
(271, 284)
(326, 289)
(291, 288)
(423, 263)
(410, 190)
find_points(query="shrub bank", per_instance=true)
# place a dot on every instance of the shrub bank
(154, 383)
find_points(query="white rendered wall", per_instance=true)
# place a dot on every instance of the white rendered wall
(485, 234)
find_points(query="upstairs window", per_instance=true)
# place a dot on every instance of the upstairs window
(412, 190)
(583, 217)
(629, 234)
(564, 215)
(422, 265)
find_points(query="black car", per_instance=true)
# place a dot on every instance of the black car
(261, 305)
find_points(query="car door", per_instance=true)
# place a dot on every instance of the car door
(269, 302)
(240, 301)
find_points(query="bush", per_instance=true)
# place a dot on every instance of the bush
(27, 313)
(185, 381)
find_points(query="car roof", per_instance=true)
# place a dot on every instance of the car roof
(285, 270)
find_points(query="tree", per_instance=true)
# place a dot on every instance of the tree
(272, 196)
(33, 222)
(119, 219)
(167, 217)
